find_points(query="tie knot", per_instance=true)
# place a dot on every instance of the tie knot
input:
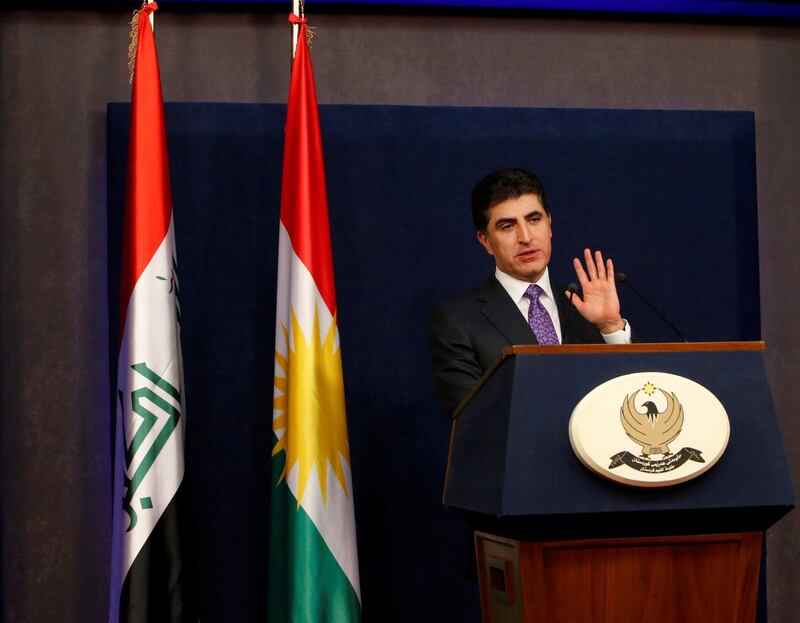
(533, 292)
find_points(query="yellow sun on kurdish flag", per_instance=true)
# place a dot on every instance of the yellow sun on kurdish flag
(309, 398)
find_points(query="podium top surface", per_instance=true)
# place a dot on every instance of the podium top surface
(607, 349)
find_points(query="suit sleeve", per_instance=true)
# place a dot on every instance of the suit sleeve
(455, 364)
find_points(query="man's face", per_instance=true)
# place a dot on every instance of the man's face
(519, 237)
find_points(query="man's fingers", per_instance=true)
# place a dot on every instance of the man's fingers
(590, 267)
(567, 293)
(601, 267)
(577, 302)
(581, 274)
(596, 268)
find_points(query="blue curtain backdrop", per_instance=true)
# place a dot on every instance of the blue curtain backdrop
(670, 195)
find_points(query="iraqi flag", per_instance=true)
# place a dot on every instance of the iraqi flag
(149, 573)
(313, 573)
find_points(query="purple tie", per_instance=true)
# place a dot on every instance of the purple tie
(538, 319)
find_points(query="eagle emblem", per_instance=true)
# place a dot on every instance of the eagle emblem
(652, 429)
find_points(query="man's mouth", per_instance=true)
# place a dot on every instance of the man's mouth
(528, 254)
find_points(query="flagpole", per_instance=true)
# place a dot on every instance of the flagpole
(296, 9)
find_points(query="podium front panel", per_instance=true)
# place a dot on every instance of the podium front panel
(511, 455)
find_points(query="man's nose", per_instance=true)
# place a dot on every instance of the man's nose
(524, 232)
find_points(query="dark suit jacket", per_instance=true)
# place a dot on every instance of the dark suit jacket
(468, 334)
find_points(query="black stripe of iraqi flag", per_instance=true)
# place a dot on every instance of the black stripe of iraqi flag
(161, 584)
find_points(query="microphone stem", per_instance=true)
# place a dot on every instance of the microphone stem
(653, 307)
(566, 318)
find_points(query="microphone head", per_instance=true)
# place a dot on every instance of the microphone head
(621, 277)
(571, 287)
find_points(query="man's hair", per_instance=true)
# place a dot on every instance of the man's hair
(501, 186)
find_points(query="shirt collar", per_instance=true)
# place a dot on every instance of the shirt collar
(516, 287)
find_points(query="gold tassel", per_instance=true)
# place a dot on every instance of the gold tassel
(134, 42)
(309, 29)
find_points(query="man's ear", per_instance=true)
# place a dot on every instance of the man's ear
(484, 240)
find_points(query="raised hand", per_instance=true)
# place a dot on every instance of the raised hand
(600, 304)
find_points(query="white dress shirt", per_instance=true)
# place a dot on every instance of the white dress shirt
(516, 289)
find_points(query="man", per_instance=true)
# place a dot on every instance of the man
(518, 305)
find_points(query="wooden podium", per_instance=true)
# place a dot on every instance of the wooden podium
(558, 543)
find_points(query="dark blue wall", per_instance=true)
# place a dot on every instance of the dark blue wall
(670, 195)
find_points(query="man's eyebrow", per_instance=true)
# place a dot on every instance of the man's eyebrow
(509, 219)
(502, 221)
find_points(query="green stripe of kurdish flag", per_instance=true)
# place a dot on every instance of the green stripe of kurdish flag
(307, 585)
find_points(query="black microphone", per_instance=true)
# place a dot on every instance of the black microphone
(572, 288)
(623, 278)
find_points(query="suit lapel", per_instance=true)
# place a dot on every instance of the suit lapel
(503, 313)
(574, 331)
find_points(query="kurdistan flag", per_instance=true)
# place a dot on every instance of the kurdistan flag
(148, 572)
(313, 573)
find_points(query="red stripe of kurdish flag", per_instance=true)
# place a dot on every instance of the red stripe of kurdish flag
(304, 202)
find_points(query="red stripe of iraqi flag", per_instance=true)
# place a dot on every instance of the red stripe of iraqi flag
(304, 202)
(148, 200)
